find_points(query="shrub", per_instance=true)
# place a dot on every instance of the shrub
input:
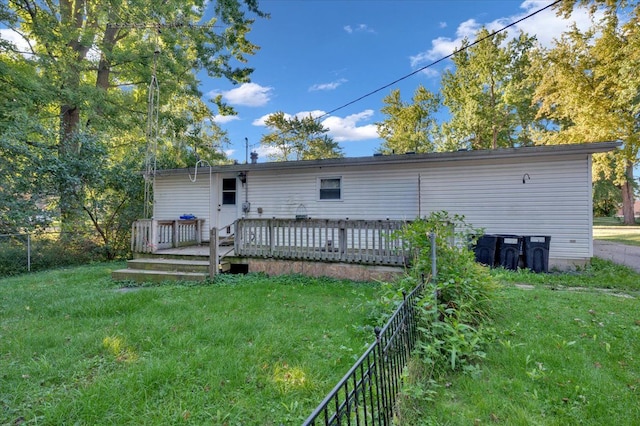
(46, 253)
(456, 307)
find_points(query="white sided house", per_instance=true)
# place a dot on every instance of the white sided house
(542, 190)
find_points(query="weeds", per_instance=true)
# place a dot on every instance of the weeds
(454, 313)
(557, 357)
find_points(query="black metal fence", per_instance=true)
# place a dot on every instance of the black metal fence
(366, 394)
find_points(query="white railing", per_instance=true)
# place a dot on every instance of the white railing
(150, 235)
(353, 241)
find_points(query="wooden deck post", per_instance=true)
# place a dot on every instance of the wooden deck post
(153, 244)
(213, 252)
(199, 224)
(175, 236)
(342, 240)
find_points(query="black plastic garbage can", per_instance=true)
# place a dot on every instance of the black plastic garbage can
(536, 252)
(509, 248)
(485, 250)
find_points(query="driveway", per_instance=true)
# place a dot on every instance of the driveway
(618, 253)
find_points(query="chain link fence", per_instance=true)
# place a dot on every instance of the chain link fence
(29, 252)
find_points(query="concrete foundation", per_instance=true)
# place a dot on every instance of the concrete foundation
(348, 271)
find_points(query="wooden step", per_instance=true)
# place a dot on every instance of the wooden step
(171, 265)
(142, 275)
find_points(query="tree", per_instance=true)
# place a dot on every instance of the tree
(93, 61)
(409, 126)
(298, 138)
(487, 96)
(23, 148)
(592, 92)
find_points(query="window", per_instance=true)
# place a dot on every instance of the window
(330, 188)
(229, 191)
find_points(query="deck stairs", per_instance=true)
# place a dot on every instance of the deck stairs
(181, 264)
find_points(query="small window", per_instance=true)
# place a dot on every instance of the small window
(229, 191)
(330, 188)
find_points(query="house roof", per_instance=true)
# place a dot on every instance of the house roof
(464, 155)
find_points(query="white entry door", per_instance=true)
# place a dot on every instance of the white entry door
(227, 204)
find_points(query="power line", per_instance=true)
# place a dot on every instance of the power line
(480, 40)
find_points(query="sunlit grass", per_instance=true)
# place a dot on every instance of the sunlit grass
(563, 352)
(77, 349)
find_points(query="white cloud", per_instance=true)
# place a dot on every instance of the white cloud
(260, 122)
(360, 28)
(347, 129)
(248, 94)
(266, 151)
(222, 119)
(16, 39)
(327, 86)
(442, 24)
(552, 24)
(315, 113)
(340, 129)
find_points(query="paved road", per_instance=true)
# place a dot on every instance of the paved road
(618, 253)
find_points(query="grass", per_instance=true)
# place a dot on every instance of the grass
(612, 229)
(76, 349)
(559, 355)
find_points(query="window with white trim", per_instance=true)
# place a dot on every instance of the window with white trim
(229, 191)
(331, 188)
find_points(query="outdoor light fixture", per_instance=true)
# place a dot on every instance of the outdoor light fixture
(525, 178)
(243, 177)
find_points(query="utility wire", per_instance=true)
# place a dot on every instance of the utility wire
(480, 40)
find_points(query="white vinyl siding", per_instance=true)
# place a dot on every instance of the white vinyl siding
(555, 199)
(177, 195)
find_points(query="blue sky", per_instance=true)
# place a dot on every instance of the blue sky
(318, 55)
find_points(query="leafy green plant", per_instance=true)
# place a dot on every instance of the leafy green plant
(455, 308)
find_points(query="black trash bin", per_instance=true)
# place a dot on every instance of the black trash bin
(485, 249)
(509, 248)
(536, 252)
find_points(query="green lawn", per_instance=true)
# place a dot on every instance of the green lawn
(563, 352)
(76, 349)
(611, 229)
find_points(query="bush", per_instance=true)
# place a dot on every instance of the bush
(46, 253)
(456, 308)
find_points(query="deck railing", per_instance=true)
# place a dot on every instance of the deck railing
(366, 395)
(351, 241)
(151, 235)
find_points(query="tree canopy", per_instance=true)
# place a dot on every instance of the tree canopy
(508, 93)
(409, 126)
(74, 106)
(295, 138)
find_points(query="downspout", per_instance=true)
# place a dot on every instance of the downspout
(419, 196)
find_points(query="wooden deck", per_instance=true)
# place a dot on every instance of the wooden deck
(354, 249)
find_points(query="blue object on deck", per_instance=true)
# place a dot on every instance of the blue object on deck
(187, 217)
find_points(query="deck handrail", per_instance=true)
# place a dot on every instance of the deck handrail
(151, 235)
(351, 241)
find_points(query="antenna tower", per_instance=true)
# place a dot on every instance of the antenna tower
(153, 108)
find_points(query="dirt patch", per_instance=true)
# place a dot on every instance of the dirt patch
(608, 291)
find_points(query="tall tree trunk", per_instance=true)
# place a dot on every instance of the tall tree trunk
(73, 20)
(68, 148)
(627, 196)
